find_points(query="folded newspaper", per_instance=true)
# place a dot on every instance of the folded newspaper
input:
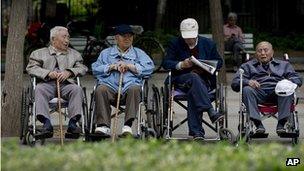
(208, 65)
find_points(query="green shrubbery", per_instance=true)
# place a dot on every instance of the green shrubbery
(129, 154)
(288, 42)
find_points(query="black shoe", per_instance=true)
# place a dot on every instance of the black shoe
(216, 118)
(260, 129)
(73, 128)
(45, 132)
(280, 127)
(198, 137)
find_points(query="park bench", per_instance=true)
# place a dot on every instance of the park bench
(248, 44)
(78, 43)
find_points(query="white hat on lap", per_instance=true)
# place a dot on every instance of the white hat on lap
(285, 88)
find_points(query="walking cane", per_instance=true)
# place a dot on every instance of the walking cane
(59, 110)
(117, 107)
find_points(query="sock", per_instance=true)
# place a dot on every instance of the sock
(129, 122)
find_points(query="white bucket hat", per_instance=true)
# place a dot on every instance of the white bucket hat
(285, 88)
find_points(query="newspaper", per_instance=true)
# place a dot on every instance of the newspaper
(208, 65)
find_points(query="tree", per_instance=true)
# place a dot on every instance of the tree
(216, 17)
(12, 88)
(161, 8)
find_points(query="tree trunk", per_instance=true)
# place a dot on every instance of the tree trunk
(216, 17)
(13, 82)
(161, 8)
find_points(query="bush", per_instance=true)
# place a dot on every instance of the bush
(129, 154)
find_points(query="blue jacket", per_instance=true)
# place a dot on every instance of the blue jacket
(111, 55)
(178, 51)
(278, 70)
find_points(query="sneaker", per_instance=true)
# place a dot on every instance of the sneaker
(103, 130)
(126, 130)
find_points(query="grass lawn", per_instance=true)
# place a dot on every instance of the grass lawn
(129, 154)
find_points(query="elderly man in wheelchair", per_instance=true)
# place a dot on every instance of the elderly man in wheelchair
(189, 78)
(264, 81)
(57, 63)
(130, 63)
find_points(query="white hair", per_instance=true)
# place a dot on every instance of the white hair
(232, 15)
(54, 31)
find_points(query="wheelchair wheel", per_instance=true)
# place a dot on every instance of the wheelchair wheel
(156, 114)
(227, 135)
(30, 139)
(153, 48)
(24, 118)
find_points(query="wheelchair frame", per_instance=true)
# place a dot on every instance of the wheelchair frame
(164, 121)
(142, 129)
(28, 129)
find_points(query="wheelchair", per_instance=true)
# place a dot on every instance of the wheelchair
(163, 112)
(267, 110)
(30, 130)
(142, 129)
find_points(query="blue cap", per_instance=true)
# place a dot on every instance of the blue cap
(123, 29)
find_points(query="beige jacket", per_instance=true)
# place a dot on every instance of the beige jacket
(43, 61)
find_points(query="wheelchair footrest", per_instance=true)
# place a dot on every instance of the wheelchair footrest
(41, 135)
(289, 135)
(259, 135)
(72, 135)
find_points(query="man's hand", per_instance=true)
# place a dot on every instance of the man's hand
(53, 75)
(122, 67)
(113, 67)
(187, 63)
(62, 76)
(254, 84)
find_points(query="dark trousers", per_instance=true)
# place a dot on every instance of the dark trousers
(252, 97)
(197, 99)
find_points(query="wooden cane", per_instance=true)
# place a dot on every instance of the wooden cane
(59, 111)
(117, 107)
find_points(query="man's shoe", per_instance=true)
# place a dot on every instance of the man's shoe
(103, 131)
(198, 137)
(45, 132)
(126, 131)
(260, 129)
(216, 118)
(280, 127)
(72, 126)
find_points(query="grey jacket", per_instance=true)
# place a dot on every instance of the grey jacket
(278, 70)
(43, 61)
